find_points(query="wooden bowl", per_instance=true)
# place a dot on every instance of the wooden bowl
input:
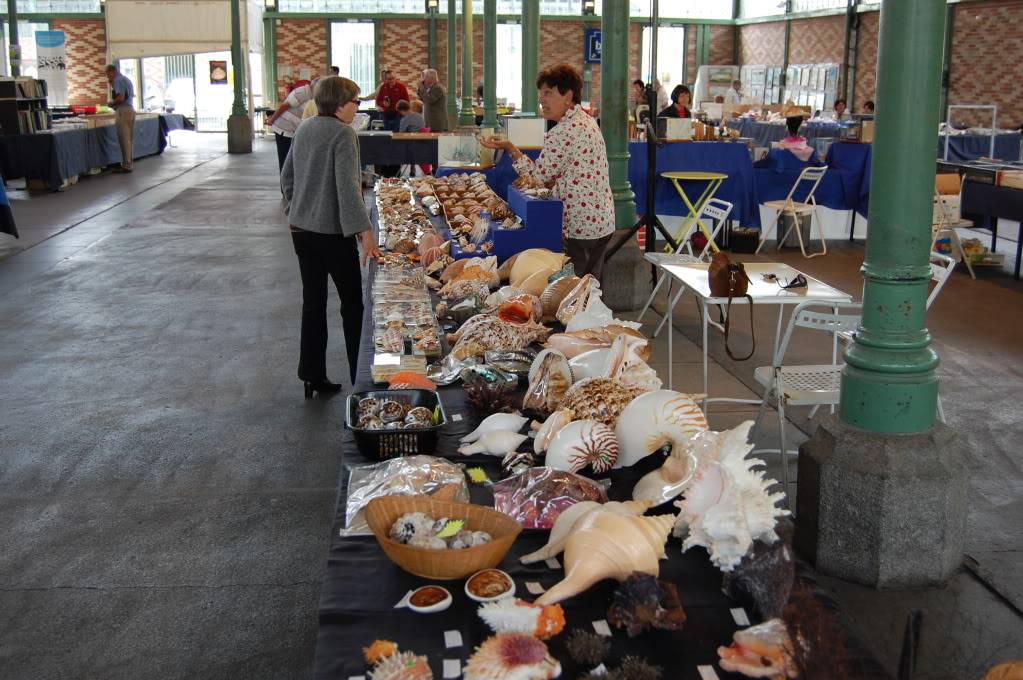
(381, 513)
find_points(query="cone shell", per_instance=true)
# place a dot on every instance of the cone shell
(583, 444)
(607, 545)
(654, 419)
(598, 399)
(554, 293)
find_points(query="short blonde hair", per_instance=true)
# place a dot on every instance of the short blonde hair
(333, 92)
(416, 105)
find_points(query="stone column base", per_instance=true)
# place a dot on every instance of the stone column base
(626, 278)
(888, 511)
(239, 134)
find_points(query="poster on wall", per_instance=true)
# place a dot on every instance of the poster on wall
(218, 73)
(51, 61)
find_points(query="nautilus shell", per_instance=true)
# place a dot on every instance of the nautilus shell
(655, 419)
(570, 517)
(607, 545)
(554, 293)
(581, 445)
(599, 399)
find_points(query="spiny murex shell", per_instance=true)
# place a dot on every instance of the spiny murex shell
(569, 518)
(583, 444)
(727, 505)
(492, 333)
(607, 545)
(598, 399)
(654, 419)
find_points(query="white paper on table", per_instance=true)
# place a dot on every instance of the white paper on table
(739, 615)
(452, 668)
(535, 588)
(403, 602)
(452, 638)
(601, 628)
(707, 673)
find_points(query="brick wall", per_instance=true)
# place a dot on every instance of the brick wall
(301, 43)
(817, 41)
(987, 50)
(762, 43)
(722, 44)
(866, 59)
(86, 44)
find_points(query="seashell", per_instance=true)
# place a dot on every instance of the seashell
(402, 666)
(590, 364)
(520, 309)
(511, 615)
(498, 443)
(761, 651)
(368, 406)
(419, 415)
(554, 293)
(391, 411)
(536, 282)
(583, 444)
(727, 506)
(531, 261)
(608, 545)
(655, 419)
(504, 271)
(452, 270)
(429, 241)
(570, 517)
(545, 435)
(576, 299)
(459, 290)
(511, 422)
(669, 480)
(495, 299)
(512, 656)
(492, 333)
(599, 399)
(625, 365)
(370, 422)
(549, 380)
(432, 255)
(575, 343)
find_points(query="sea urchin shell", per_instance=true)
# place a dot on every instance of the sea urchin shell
(512, 655)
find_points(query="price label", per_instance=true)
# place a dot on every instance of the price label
(601, 628)
(452, 638)
(739, 614)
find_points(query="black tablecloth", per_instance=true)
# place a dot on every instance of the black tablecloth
(361, 585)
(385, 150)
(985, 203)
(55, 156)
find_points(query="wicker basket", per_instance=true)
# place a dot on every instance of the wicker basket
(381, 514)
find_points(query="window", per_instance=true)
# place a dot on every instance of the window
(129, 68)
(671, 49)
(693, 9)
(59, 6)
(509, 64)
(27, 40)
(762, 8)
(352, 47)
(810, 5)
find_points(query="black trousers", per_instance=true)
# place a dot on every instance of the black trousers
(283, 147)
(587, 254)
(320, 256)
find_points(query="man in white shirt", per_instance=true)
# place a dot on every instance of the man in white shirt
(734, 95)
(286, 118)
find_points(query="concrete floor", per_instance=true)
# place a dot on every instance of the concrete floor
(168, 493)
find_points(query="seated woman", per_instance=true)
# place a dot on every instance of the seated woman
(795, 142)
(411, 116)
(679, 107)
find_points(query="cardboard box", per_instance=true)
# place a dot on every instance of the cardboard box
(1010, 178)
(946, 210)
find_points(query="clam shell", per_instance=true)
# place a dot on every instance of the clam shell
(654, 419)
(533, 260)
(591, 364)
(583, 444)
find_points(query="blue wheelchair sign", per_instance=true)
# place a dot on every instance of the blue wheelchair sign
(592, 45)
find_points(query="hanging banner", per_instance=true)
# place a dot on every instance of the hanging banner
(51, 61)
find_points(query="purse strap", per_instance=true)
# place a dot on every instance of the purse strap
(733, 271)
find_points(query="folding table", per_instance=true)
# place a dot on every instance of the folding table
(714, 181)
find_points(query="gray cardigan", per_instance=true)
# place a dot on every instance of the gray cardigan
(322, 180)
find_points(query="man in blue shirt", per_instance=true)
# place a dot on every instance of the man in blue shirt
(122, 94)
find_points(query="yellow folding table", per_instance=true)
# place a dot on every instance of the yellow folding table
(713, 180)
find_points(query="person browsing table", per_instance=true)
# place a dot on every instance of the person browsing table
(679, 107)
(122, 94)
(387, 96)
(574, 158)
(322, 186)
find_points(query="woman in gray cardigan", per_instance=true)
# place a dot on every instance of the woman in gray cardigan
(322, 187)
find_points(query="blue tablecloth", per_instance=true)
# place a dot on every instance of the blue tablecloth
(7, 225)
(727, 158)
(970, 147)
(499, 177)
(764, 134)
(55, 156)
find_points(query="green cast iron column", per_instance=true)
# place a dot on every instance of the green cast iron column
(431, 40)
(530, 54)
(614, 106)
(237, 61)
(889, 384)
(452, 64)
(490, 64)
(466, 115)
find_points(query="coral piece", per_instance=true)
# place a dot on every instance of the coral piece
(575, 343)
(655, 419)
(554, 293)
(643, 602)
(512, 615)
(608, 545)
(379, 650)
(584, 444)
(511, 422)
(492, 333)
(402, 666)
(496, 443)
(761, 651)
(727, 506)
(567, 520)
(598, 399)
(512, 656)
(763, 580)
(550, 428)
(587, 648)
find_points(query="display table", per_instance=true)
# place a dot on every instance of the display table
(398, 149)
(52, 158)
(989, 202)
(7, 225)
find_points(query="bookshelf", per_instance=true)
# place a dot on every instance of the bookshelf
(23, 108)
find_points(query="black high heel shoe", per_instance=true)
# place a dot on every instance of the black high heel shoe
(321, 386)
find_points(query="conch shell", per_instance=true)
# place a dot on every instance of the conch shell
(669, 480)
(554, 293)
(509, 422)
(533, 260)
(583, 444)
(535, 283)
(727, 506)
(549, 380)
(504, 271)
(492, 333)
(607, 545)
(452, 270)
(496, 443)
(598, 399)
(520, 309)
(575, 343)
(576, 299)
(546, 433)
(655, 419)
(571, 516)
(625, 365)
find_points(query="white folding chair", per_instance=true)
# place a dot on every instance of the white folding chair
(717, 212)
(945, 222)
(805, 385)
(795, 209)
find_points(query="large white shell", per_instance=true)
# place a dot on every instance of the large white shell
(669, 480)
(625, 365)
(545, 435)
(654, 419)
(583, 444)
(576, 300)
(511, 422)
(535, 283)
(497, 443)
(549, 379)
(592, 364)
(727, 506)
(531, 261)
(570, 517)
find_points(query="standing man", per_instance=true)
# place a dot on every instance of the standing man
(122, 94)
(387, 96)
(734, 95)
(286, 118)
(434, 97)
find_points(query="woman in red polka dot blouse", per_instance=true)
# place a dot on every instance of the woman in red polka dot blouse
(575, 160)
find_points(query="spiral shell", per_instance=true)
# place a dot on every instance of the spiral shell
(583, 444)
(655, 419)
(598, 399)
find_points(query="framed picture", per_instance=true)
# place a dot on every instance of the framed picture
(218, 73)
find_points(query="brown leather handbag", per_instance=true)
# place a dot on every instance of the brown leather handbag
(728, 279)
